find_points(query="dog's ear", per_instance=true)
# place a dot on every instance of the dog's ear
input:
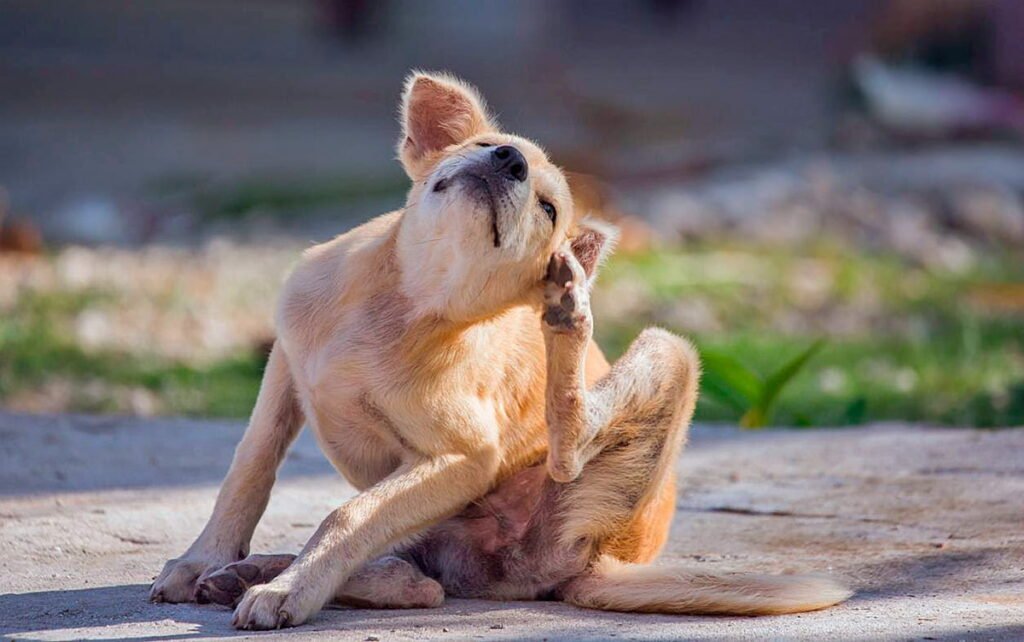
(591, 242)
(437, 111)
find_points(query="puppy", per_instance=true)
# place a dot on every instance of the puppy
(442, 354)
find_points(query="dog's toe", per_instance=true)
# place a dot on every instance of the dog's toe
(223, 587)
(566, 303)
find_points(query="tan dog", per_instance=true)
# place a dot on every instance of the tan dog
(440, 353)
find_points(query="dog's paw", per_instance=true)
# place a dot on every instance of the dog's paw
(273, 606)
(566, 295)
(227, 585)
(177, 581)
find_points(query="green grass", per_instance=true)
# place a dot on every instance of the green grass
(34, 351)
(920, 348)
(938, 381)
(279, 197)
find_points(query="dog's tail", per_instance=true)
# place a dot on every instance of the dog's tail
(612, 585)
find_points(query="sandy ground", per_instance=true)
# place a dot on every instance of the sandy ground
(926, 524)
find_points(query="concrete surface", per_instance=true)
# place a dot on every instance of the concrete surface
(926, 524)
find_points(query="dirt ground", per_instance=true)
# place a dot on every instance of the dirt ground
(926, 524)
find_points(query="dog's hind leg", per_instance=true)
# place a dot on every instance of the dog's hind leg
(624, 498)
(243, 496)
(617, 444)
(390, 583)
(650, 391)
(227, 585)
(385, 583)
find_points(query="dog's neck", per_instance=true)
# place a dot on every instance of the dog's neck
(446, 287)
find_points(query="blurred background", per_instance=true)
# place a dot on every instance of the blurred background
(828, 196)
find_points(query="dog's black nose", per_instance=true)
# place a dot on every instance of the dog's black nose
(509, 162)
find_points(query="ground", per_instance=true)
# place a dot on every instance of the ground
(924, 523)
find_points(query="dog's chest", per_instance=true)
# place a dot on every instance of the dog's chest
(336, 385)
(368, 417)
(357, 438)
(378, 391)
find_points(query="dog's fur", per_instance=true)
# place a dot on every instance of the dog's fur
(443, 356)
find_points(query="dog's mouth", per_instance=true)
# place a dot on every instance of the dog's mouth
(480, 188)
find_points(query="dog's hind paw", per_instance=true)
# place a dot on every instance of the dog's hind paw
(566, 295)
(227, 585)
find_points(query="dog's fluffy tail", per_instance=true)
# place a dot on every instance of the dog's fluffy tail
(612, 585)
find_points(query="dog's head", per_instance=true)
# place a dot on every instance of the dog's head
(486, 209)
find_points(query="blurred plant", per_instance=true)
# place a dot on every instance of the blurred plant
(286, 198)
(736, 384)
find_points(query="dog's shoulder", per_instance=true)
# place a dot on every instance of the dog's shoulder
(339, 274)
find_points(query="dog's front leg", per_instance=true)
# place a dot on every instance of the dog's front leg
(418, 494)
(243, 496)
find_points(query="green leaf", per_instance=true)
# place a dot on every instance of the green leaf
(760, 413)
(713, 387)
(728, 380)
(856, 411)
(753, 418)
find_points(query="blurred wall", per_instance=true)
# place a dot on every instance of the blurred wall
(108, 97)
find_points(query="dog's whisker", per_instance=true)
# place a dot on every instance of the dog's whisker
(433, 240)
(487, 282)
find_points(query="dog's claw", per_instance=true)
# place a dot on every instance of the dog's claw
(177, 581)
(272, 606)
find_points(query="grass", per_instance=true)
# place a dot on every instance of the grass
(729, 380)
(280, 197)
(855, 381)
(899, 341)
(35, 353)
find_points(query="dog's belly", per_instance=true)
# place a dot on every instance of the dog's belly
(505, 545)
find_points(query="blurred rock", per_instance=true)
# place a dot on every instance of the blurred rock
(922, 102)
(995, 214)
(93, 220)
(938, 207)
(18, 235)
(693, 314)
(620, 300)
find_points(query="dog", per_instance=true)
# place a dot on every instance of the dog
(443, 356)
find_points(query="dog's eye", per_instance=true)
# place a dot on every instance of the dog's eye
(485, 144)
(549, 209)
